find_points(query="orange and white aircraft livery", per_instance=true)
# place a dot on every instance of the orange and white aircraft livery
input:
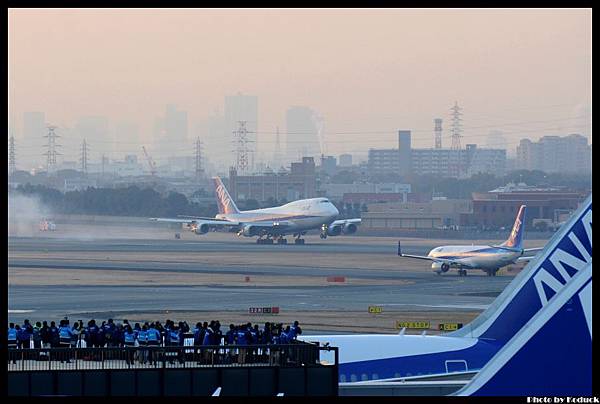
(270, 224)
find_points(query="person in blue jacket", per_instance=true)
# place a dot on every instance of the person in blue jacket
(12, 342)
(91, 334)
(118, 335)
(153, 337)
(54, 337)
(65, 334)
(109, 330)
(242, 338)
(26, 334)
(36, 336)
(142, 338)
(175, 341)
(295, 330)
(129, 342)
(23, 337)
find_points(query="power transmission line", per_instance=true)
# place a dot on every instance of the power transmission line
(84, 157)
(52, 145)
(198, 166)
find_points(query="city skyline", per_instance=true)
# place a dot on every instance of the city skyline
(514, 76)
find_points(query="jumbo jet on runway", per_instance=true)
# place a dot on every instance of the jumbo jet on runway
(294, 218)
(565, 265)
(488, 258)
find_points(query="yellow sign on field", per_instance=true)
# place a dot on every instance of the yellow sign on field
(450, 326)
(375, 309)
(423, 325)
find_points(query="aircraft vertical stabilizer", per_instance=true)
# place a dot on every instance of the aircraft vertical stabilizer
(224, 201)
(568, 252)
(551, 355)
(515, 240)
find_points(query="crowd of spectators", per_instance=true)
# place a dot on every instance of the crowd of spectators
(149, 334)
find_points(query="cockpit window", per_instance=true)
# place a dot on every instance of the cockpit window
(324, 201)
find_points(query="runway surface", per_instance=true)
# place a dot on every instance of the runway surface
(294, 277)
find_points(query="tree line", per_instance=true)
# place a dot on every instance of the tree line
(129, 201)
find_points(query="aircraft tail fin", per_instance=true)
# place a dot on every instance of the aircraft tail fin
(552, 355)
(515, 240)
(553, 269)
(225, 203)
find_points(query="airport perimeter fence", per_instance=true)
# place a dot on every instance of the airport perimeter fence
(43, 359)
(249, 370)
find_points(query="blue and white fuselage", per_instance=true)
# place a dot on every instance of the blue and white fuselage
(488, 258)
(295, 218)
(476, 256)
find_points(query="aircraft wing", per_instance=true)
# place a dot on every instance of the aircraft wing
(342, 222)
(209, 221)
(533, 249)
(452, 263)
(521, 259)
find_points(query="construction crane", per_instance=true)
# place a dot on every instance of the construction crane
(151, 162)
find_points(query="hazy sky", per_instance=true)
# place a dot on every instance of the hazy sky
(365, 71)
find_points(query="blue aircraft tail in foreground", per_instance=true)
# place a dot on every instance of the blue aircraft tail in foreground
(551, 355)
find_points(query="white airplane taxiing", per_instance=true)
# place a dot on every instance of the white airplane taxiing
(488, 258)
(271, 224)
(534, 339)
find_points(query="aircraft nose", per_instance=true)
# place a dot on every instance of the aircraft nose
(334, 210)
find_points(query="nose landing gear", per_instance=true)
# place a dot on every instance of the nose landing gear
(323, 234)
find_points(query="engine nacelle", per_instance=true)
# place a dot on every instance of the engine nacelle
(202, 229)
(349, 228)
(250, 231)
(334, 230)
(440, 267)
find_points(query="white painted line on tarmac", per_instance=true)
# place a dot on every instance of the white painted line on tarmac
(449, 306)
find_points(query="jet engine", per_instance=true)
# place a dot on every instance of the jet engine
(440, 267)
(349, 228)
(334, 230)
(202, 229)
(250, 231)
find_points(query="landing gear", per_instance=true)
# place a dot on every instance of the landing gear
(267, 240)
(491, 272)
(298, 240)
(323, 234)
(282, 240)
(462, 272)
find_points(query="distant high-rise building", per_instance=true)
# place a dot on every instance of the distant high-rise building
(170, 132)
(554, 154)
(485, 161)
(238, 108)
(34, 130)
(398, 161)
(345, 160)
(302, 137)
(217, 145)
(404, 147)
(328, 164)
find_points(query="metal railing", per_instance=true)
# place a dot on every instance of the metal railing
(44, 359)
